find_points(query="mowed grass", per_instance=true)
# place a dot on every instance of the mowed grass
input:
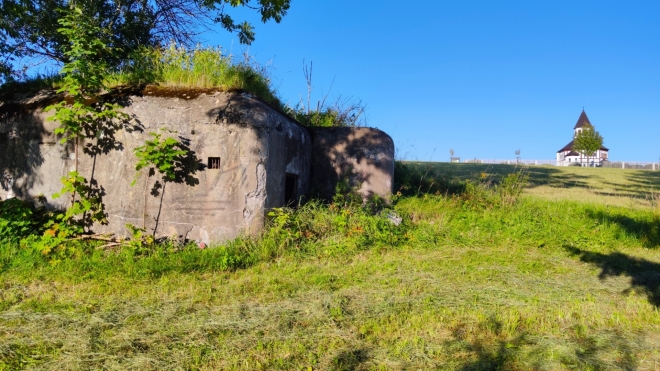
(608, 186)
(538, 284)
(469, 308)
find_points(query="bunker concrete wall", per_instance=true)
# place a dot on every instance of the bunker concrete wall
(364, 155)
(256, 145)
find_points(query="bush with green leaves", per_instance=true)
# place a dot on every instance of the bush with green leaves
(19, 219)
(512, 186)
(331, 229)
(170, 157)
(83, 117)
(485, 194)
(87, 209)
(36, 228)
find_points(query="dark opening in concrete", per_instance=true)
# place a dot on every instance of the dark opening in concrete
(214, 162)
(290, 190)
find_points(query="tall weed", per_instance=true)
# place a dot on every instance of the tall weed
(344, 113)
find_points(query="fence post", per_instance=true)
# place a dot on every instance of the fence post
(623, 165)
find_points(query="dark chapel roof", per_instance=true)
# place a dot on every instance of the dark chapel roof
(569, 147)
(582, 121)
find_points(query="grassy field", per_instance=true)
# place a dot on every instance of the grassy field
(466, 282)
(620, 187)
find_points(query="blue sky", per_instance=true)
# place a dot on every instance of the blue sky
(482, 77)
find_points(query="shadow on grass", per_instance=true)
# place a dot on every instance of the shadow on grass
(646, 231)
(646, 184)
(522, 351)
(349, 360)
(448, 178)
(644, 274)
(502, 355)
(641, 184)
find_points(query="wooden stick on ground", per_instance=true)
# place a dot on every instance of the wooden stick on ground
(95, 237)
(110, 245)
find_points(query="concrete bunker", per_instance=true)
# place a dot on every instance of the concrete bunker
(365, 156)
(251, 158)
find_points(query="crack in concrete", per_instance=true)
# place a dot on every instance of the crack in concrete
(255, 199)
(185, 236)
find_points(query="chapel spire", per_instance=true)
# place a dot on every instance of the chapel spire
(583, 121)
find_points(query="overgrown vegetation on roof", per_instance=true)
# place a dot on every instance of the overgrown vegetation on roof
(203, 69)
(175, 67)
(343, 113)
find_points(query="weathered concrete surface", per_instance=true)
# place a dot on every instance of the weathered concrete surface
(364, 155)
(257, 147)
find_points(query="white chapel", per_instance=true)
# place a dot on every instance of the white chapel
(567, 156)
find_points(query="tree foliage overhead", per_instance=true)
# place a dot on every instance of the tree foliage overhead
(29, 28)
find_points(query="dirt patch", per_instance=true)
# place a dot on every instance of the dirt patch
(179, 91)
